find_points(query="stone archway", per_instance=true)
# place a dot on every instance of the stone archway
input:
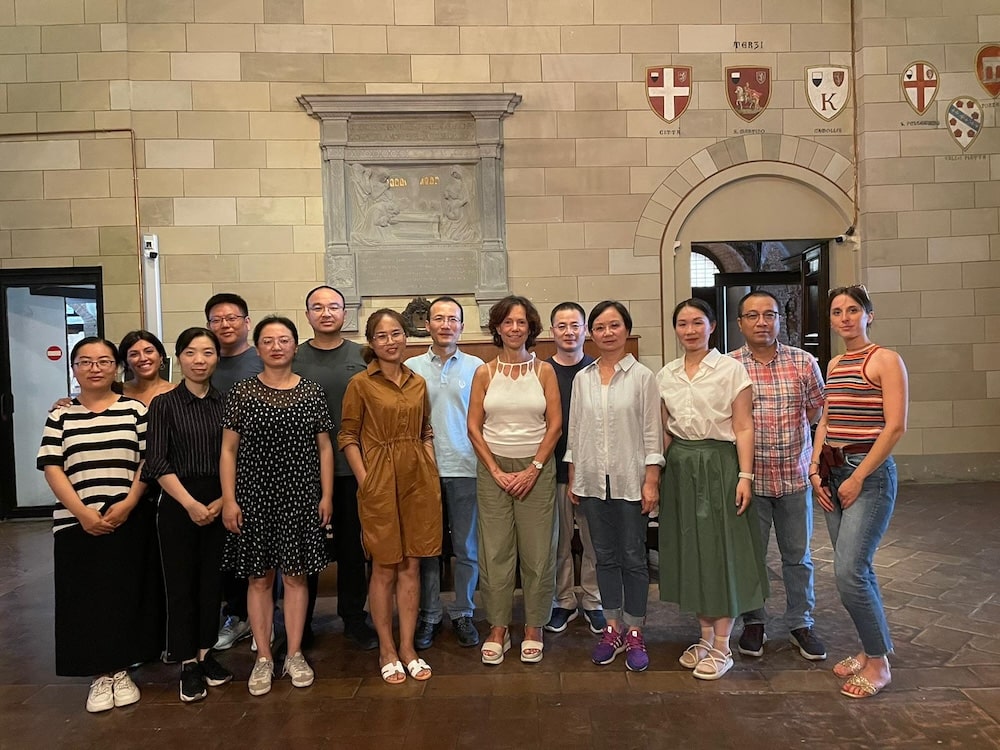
(823, 178)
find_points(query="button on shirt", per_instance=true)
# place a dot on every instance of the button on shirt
(449, 387)
(614, 439)
(701, 408)
(784, 389)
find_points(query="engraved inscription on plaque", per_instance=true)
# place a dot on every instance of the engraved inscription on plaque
(423, 204)
(402, 271)
(411, 130)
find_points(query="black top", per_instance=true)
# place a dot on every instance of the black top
(564, 376)
(184, 434)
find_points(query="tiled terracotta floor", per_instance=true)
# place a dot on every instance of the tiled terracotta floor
(940, 572)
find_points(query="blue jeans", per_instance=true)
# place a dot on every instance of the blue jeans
(856, 533)
(793, 526)
(459, 496)
(618, 532)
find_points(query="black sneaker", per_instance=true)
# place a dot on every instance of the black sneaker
(424, 637)
(192, 683)
(560, 618)
(595, 620)
(215, 674)
(809, 645)
(362, 634)
(465, 631)
(752, 640)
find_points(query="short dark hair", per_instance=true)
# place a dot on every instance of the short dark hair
(575, 306)
(698, 304)
(756, 293)
(312, 291)
(226, 298)
(608, 304)
(502, 309)
(367, 353)
(446, 298)
(190, 334)
(280, 319)
(94, 340)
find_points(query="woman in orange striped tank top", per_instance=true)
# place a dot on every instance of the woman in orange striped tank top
(854, 477)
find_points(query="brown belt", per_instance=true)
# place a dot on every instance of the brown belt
(832, 457)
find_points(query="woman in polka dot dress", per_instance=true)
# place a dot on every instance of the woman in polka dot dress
(276, 470)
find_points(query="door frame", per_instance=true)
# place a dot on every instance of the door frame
(34, 277)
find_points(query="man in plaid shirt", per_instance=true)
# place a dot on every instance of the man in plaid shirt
(787, 399)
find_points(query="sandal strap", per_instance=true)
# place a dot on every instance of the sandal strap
(717, 658)
(860, 681)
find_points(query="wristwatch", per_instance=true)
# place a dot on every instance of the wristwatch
(745, 475)
(538, 465)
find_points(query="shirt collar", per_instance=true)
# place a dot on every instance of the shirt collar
(374, 368)
(188, 397)
(624, 364)
(435, 358)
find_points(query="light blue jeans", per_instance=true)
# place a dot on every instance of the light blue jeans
(856, 533)
(792, 517)
(459, 496)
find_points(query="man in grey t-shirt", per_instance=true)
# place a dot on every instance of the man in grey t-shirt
(331, 361)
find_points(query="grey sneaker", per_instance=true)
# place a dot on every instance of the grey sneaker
(233, 629)
(101, 696)
(261, 676)
(125, 691)
(299, 669)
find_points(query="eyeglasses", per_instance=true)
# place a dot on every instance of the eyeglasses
(442, 319)
(385, 338)
(564, 327)
(281, 341)
(88, 364)
(319, 309)
(848, 289)
(753, 316)
(230, 319)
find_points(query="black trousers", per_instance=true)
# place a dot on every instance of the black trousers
(352, 577)
(191, 557)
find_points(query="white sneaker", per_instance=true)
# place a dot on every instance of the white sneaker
(261, 676)
(297, 666)
(233, 629)
(126, 692)
(101, 696)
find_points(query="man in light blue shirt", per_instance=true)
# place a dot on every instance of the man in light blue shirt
(448, 373)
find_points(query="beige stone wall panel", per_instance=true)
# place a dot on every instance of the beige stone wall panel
(41, 243)
(213, 125)
(529, 124)
(924, 414)
(932, 224)
(591, 124)
(187, 240)
(926, 142)
(887, 197)
(879, 88)
(470, 12)
(221, 269)
(205, 66)
(828, 36)
(270, 211)
(450, 68)
(80, 183)
(882, 32)
(102, 66)
(114, 37)
(669, 152)
(186, 297)
(69, 121)
(622, 261)
(658, 39)
(553, 12)
(293, 154)
(586, 180)
(283, 126)
(882, 279)
(623, 11)
(218, 182)
(960, 170)
(20, 39)
(71, 38)
(565, 236)
(987, 193)
(393, 88)
(949, 304)
(526, 181)
(21, 185)
(530, 152)
(896, 252)
(158, 37)
(463, 88)
(987, 301)
(229, 11)
(531, 264)
(179, 153)
(944, 196)
(981, 275)
(20, 156)
(933, 276)
(632, 95)
(33, 97)
(622, 287)
(291, 182)
(586, 67)
(872, 61)
(414, 12)
(974, 221)
(509, 40)
(359, 39)
(417, 40)
(243, 97)
(589, 39)
(704, 38)
(160, 183)
(961, 386)
(55, 12)
(553, 289)
(280, 66)
(542, 96)
(156, 211)
(117, 240)
(121, 183)
(515, 68)
(304, 38)
(204, 211)
(158, 95)
(948, 30)
(898, 57)
(219, 37)
(348, 68)
(148, 66)
(255, 240)
(84, 95)
(13, 68)
(982, 413)
(792, 11)
(900, 171)
(607, 152)
(309, 239)
(684, 11)
(584, 262)
(348, 11)
(160, 11)
(527, 237)
(603, 208)
(98, 212)
(283, 266)
(534, 209)
(609, 234)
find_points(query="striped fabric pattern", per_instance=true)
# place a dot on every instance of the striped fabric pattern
(100, 453)
(853, 402)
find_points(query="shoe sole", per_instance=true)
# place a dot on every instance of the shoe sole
(714, 675)
(611, 659)
(301, 684)
(565, 624)
(217, 683)
(193, 698)
(99, 709)
(129, 702)
(630, 668)
(759, 652)
(593, 628)
(220, 646)
(259, 691)
(805, 654)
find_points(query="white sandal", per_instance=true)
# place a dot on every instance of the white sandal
(690, 658)
(492, 652)
(714, 665)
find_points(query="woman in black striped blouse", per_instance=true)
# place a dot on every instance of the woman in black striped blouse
(185, 437)
(107, 592)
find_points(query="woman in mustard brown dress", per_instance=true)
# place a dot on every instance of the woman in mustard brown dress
(386, 435)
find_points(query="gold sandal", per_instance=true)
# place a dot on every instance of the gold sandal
(849, 666)
(867, 687)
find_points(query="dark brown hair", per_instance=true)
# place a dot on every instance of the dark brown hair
(367, 353)
(500, 311)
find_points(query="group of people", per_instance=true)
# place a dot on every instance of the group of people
(261, 453)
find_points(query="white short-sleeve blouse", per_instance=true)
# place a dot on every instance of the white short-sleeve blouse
(701, 408)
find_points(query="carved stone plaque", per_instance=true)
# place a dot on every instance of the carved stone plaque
(413, 194)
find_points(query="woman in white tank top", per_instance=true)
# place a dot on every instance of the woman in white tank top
(515, 419)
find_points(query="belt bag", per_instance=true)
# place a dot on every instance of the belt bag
(832, 457)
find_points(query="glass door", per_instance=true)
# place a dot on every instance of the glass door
(44, 312)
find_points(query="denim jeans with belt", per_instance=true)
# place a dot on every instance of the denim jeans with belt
(792, 516)
(856, 533)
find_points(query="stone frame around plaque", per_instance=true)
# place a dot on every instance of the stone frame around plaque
(413, 196)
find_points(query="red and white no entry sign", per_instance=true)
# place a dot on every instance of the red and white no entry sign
(54, 353)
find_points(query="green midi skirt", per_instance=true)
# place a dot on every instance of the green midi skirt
(711, 560)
